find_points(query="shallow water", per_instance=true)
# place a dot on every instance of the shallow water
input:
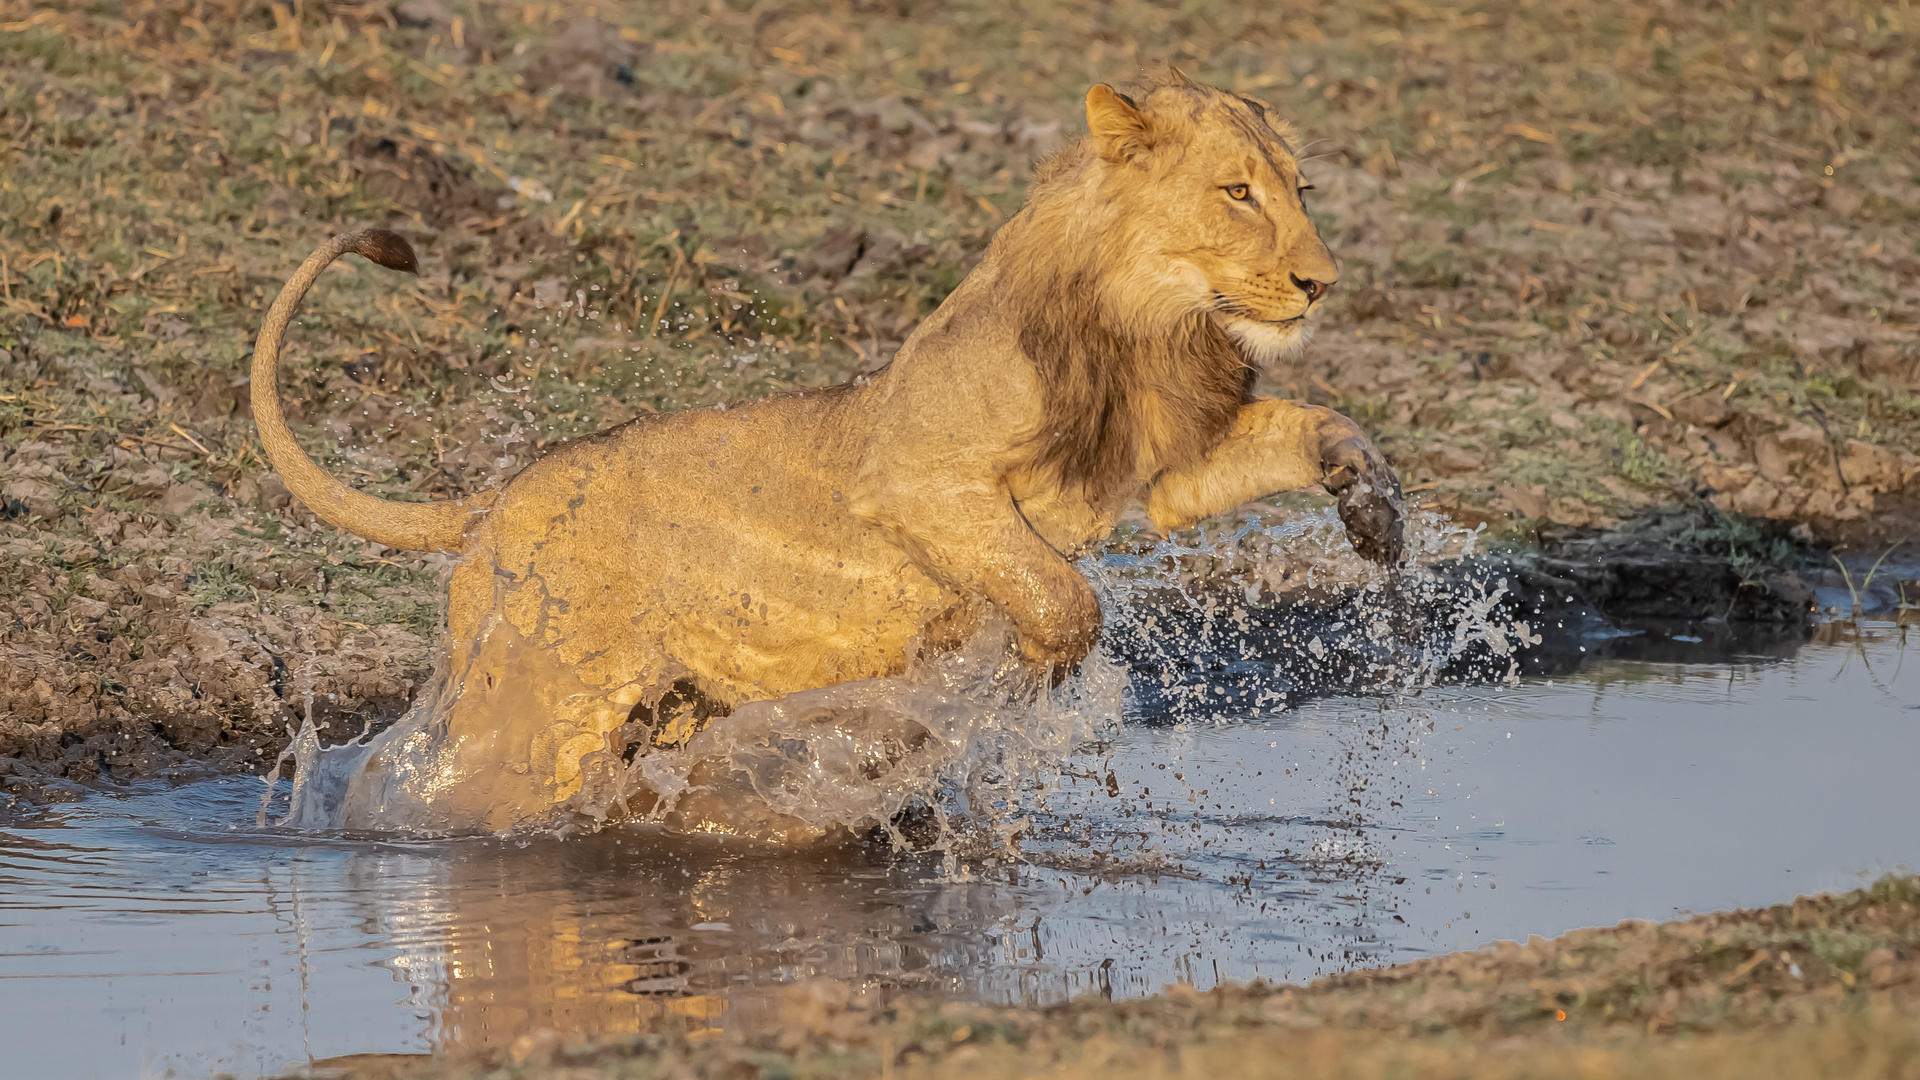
(161, 930)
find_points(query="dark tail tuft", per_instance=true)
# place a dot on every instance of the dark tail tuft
(388, 249)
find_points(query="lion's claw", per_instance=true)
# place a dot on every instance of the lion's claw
(1370, 501)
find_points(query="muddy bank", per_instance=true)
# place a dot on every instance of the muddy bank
(1825, 985)
(154, 639)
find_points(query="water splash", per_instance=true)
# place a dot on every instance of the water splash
(1265, 610)
(958, 751)
(961, 742)
(957, 739)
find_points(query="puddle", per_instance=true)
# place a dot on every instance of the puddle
(160, 930)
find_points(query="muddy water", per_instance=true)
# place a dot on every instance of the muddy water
(160, 929)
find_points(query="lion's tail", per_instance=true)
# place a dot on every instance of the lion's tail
(436, 526)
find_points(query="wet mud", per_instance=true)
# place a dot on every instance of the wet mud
(143, 677)
(1665, 586)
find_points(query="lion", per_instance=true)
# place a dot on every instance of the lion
(1101, 355)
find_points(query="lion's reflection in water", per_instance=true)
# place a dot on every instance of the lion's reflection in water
(636, 933)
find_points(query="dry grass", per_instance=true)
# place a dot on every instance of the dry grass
(1878, 1047)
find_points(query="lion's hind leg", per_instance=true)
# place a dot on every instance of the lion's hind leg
(681, 712)
(595, 738)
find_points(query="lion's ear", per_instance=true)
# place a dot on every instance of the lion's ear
(1120, 130)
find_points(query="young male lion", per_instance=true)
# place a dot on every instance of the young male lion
(1103, 352)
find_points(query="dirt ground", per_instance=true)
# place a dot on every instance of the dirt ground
(1824, 986)
(1597, 259)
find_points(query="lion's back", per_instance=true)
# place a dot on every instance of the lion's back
(733, 526)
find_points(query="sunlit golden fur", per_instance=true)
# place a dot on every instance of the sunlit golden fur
(1103, 352)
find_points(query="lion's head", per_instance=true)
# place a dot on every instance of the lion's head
(1157, 262)
(1205, 212)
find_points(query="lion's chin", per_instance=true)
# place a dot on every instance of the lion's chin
(1268, 342)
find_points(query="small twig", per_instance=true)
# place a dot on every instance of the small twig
(187, 435)
(162, 443)
(1833, 447)
(673, 279)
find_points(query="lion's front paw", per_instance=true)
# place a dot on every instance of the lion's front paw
(1369, 493)
(1051, 665)
(1056, 643)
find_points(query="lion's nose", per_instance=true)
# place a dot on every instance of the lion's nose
(1314, 289)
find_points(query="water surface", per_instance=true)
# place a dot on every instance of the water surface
(160, 930)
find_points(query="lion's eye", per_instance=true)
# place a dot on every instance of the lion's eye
(1239, 192)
